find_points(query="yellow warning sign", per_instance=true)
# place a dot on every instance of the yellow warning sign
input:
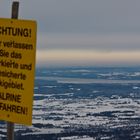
(17, 69)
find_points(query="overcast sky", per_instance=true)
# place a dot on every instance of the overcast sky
(83, 32)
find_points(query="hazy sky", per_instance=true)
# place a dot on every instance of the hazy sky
(83, 32)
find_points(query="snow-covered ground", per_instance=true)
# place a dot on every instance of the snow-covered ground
(71, 112)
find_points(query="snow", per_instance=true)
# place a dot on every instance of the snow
(62, 113)
(77, 138)
(87, 81)
(67, 112)
(44, 131)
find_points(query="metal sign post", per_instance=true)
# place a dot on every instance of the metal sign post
(10, 131)
(10, 125)
(15, 7)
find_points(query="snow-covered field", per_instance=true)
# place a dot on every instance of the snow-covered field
(70, 112)
(90, 105)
